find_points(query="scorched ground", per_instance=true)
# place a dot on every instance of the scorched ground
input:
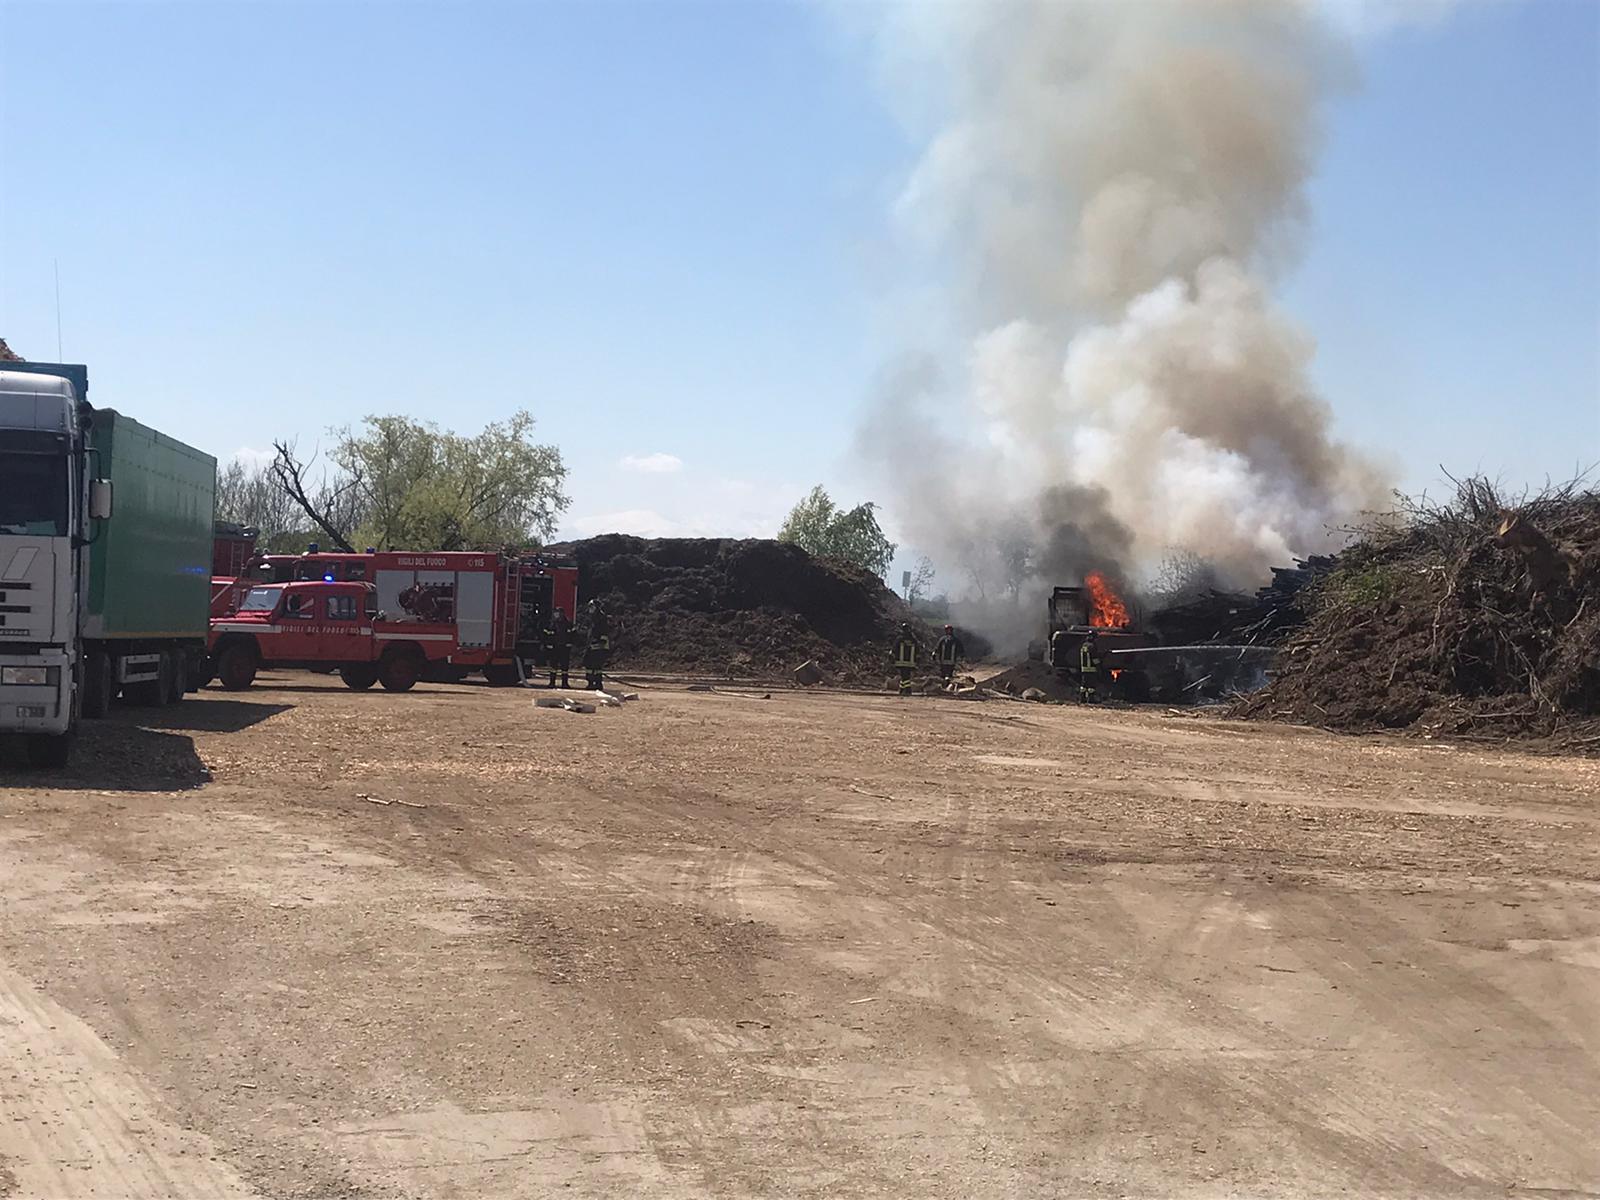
(316, 943)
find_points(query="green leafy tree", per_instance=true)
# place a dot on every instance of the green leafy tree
(398, 483)
(822, 528)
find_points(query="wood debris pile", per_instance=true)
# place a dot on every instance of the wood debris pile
(1479, 617)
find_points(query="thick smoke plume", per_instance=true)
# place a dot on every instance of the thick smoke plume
(1118, 187)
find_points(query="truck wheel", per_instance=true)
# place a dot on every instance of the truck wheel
(147, 693)
(49, 749)
(236, 668)
(174, 677)
(97, 689)
(359, 676)
(399, 670)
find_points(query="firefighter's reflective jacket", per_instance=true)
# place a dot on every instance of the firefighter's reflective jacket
(558, 632)
(948, 650)
(905, 652)
(1087, 663)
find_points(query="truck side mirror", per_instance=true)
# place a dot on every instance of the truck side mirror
(100, 500)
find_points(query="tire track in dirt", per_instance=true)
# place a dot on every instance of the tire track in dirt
(1328, 1115)
(1460, 1039)
(78, 1122)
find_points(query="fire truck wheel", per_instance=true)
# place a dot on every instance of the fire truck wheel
(399, 670)
(359, 677)
(97, 689)
(501, 675)
(236, 667)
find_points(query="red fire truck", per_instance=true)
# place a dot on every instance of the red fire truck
(461, 611)
(327, 626)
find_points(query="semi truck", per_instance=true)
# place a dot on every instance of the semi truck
(105, 559)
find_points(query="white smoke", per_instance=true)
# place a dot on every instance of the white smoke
(1116, 189)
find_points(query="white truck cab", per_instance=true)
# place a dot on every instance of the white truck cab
(44, 500)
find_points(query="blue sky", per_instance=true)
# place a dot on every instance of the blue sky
(665, 229)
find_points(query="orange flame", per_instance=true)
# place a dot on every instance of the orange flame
(1106, 609)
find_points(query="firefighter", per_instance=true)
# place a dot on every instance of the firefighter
(948, 652)
(905, 656)
(558, 645)
(598, 652)
(1088, 667)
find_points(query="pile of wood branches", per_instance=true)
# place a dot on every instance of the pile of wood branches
(1478, 616)
(1264, 618)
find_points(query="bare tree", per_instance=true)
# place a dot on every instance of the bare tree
(248, 494)
(1181, 576)
(1016, 561)
(921, 580)
(331, 505)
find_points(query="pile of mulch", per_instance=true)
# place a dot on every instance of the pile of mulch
(749, 608)
(1474, 618)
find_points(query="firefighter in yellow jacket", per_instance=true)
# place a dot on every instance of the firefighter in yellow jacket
(905, 656)
(948, 653)
(1088, 667)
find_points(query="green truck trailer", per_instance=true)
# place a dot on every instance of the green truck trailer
(105, 559)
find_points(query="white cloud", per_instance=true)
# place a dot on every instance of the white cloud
(695, 505)
(652, 464)
(642, 522)
(251, 457)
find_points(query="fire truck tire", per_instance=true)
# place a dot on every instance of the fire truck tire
(501, 674)
(359, 677)
(236, 667)
(399, 669)
(97, 689)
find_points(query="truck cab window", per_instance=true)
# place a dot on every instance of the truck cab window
(260, 600)
(342, 608)
(33, 494)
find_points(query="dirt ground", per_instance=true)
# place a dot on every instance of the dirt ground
(306, 942)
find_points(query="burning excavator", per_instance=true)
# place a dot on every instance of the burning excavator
(1136, 665)
(1096, 607)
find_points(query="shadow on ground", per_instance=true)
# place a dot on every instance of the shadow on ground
(271, 687)
(137, 749)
